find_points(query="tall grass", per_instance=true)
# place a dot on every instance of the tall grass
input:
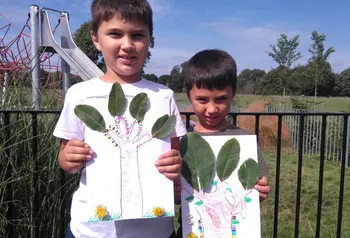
(34, 191)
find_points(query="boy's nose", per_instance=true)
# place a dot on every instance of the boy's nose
(127, 44)
(212, 108)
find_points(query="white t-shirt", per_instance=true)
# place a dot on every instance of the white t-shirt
(69, 126)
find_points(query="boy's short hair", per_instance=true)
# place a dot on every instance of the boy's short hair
(105, 10)
(210, 69)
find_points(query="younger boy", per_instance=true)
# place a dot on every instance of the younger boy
(210, 82)
(122, 31)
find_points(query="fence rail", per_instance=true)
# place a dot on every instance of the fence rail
(38, 137)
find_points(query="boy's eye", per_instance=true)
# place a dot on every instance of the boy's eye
(221, 99)
(114, 34)
(137, 35)
(202, 100)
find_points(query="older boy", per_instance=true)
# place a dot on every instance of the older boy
(122, 31)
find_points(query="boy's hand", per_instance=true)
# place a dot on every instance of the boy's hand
(169, 164)
(73, 155)
(263, 188)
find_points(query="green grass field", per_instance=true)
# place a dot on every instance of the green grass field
(324, 104)
(309, 195)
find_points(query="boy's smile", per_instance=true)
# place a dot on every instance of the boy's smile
(211, 107)
(124, 46)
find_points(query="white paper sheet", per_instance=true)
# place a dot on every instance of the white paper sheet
(122, 180)
(226, 209)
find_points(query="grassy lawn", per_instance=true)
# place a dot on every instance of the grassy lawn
(325, 104)
(309, 195)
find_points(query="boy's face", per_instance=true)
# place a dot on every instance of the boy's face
(211, 107)
(123, 44)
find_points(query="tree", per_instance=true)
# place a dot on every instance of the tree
(319, 66)
(285, 52)
(317, 50)
(151, 77)
(248, 80)
(164, 79)
(342, 84)
(176, 81)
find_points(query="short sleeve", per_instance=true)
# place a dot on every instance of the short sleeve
(180, 129)
(69, 126)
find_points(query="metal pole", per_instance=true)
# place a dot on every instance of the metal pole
(347, 145)
(65, 66)
(35, 57)
(3, 91)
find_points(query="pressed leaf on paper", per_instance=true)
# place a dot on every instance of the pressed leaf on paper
(228, 159)
(91, 117)
(138, 106)
(163, 126)
(198, 160)
(249, 173)
(117, 101)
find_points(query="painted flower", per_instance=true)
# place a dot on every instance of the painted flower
(191, 235)
(158, 211)
(101, 212)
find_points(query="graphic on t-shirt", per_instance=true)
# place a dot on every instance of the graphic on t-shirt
(217, 196)
(127, 137)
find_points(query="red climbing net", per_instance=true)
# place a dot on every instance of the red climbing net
(15, 55)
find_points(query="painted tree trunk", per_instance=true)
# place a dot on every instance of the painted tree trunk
(216, 218)
(131, 201)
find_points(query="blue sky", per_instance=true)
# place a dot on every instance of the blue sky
(244, 28)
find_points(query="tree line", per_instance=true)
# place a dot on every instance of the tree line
(313, 78)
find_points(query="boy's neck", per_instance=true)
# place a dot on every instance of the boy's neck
(208, 129)
(122, 79)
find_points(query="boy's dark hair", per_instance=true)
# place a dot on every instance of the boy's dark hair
(210, 69)
(105, 10)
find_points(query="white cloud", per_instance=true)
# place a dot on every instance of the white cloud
(164, 59)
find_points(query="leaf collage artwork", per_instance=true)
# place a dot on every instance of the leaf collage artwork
(218, 174)
(127, 139)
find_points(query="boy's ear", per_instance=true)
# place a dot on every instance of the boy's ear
(95, 40)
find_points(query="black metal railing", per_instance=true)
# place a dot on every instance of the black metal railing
(9, 150)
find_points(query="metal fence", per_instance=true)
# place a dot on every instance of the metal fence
(60, 214)
(312, 131)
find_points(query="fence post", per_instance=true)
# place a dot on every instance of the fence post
(347, 145)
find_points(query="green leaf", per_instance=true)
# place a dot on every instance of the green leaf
(228, 159)
(91, 117)
(163, 126)
(249, 173)
(229, 189)
(117, 101)
(198, 160)
(247, 199)
(200, 202)
(214, 183)
(138, 106)
(190, 198)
